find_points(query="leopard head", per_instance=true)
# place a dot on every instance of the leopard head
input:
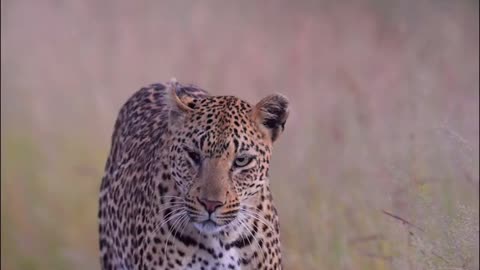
(220, 154)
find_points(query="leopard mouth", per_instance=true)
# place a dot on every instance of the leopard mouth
(208, 226)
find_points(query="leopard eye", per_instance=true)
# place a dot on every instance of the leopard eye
(194, 156)
(242, 161)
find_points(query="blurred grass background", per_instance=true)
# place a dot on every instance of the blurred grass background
(378, 167)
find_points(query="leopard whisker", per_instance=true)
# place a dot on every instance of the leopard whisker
(170, 196)
(249, 231)
(171, 216)
(171, 208)
(242, 234)
(258, 217)
(167, 206)
(178, 221)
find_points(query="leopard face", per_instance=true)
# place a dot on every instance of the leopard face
(220, 156)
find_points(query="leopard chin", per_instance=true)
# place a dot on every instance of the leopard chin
(208, 227)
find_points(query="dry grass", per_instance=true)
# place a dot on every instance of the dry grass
(378, 168)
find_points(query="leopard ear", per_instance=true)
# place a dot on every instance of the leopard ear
(271, 114)
(179, 106)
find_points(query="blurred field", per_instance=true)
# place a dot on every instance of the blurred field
(378, 167)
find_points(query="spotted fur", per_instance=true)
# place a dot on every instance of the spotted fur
(186, 183)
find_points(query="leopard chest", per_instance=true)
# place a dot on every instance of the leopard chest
(206, 257)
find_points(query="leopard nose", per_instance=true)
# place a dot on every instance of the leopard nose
(210, 205)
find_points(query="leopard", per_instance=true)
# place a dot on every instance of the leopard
(186, 182)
